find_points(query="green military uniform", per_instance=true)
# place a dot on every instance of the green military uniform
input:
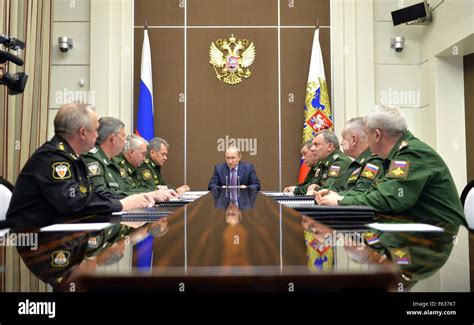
(362, 173)
(98, 241)
(301, 188)
(418, 255)
(132, 179)
(331, 172)
(416, 183)
(149, 174)
(109, 178)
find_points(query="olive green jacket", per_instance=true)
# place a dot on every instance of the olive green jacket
(107, 177)
(416, 183)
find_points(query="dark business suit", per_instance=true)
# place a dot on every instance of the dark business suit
(245, 198)
(245, 172)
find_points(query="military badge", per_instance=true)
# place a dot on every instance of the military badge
(354, 176)
(334, 171)
(123, 173)
(371, 238)
(230, 67)
(93, 242)
(61, 146)
(370, 171)
(403, 145)
(398, 169)
(93, 169)
(401, 256)
(146, 174)
(82, 189)
(61, 170)
(317, 172)
(60, 258)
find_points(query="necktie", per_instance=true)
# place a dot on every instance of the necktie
(233, 177)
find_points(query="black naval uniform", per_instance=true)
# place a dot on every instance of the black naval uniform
(53, 185)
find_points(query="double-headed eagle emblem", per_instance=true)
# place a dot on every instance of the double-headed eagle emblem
(232, 66)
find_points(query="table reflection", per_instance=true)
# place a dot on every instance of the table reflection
(242, 236)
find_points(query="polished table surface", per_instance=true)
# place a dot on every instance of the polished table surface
(220, 243)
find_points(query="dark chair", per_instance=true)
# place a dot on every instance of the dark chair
(467, 200)
(6, 190)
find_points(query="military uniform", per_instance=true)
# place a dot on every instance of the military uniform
(331, 172)
(108, 177)
(132, 179)
(301, 188)
(362, 173)
(416, 183)
(418, 255)
(54, 185)
(149, 174)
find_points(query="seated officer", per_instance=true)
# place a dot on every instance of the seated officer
(54, 185)
(310, 161)
(108, 177)
(366, 167)
(332, 163)
(417, 183)
(234, 172)
(150, 171)
(131, 158)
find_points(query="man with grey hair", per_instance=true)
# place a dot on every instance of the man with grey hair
(332, 162)
(53, 185)
(108, 177)
(366, 167)
(310, 161)
(417, 183)
(150, 171)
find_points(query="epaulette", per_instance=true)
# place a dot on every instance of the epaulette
(403, 145)
(94, 150)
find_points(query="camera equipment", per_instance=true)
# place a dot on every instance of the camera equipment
(15, 82)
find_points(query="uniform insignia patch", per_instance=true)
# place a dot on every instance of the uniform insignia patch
(354, 175)
(398, 169)
(93, 169)
(334, 171)
(123, 173)
(61, 170)
(370, 171)
(316, 174)
(93, 242)
(93, 150)
(60, 258)
(403, 145)
(371, 238)
(82, 189)
(61, 146)
(335, 156)
(401, 256)
(146, 174)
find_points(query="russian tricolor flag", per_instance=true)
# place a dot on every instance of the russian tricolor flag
(145, 118)
(146, 129)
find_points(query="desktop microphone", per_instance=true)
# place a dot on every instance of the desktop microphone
(226, 181)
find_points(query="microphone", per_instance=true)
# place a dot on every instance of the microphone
(7, 56)
(238, 181)
(226, 181)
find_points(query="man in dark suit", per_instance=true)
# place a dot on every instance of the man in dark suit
(234, 172)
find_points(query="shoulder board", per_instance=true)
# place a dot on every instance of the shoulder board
(403, 144)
